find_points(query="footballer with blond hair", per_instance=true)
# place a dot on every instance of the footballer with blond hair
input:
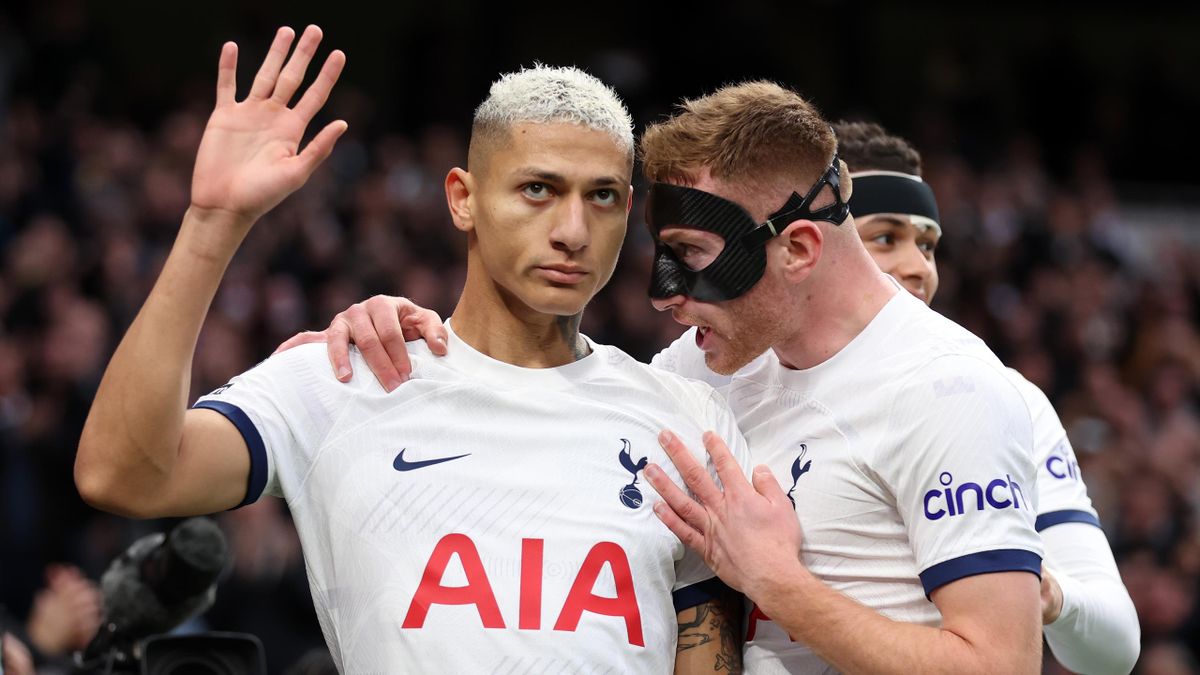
(489, 514)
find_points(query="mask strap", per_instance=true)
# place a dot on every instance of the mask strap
(797, 207)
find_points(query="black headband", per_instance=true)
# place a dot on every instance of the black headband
(893, 192)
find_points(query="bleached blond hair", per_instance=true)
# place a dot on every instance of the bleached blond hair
(544, 94)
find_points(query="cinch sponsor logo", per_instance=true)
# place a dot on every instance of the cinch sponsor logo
(950, 500)
(1064, 466)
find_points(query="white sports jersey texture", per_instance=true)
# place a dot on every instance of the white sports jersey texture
(1062, 495)
(909, 455)
(482, 517)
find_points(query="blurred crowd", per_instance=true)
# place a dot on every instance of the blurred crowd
(1100, 310)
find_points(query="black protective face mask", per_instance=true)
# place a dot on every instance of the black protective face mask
(743, 260)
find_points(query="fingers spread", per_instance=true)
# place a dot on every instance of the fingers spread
(689, 535)
(264, 81)
(319, 148)
(317, 93)
(293, 73)
(694, 474)
(767, 485)
(676, 499)
(227, 75)
(728, 469)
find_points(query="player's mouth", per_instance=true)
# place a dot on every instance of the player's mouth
(705, 337)
(561, 273)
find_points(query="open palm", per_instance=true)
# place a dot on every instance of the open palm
(250, 157)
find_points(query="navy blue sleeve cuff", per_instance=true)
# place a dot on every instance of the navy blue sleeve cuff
(698, 593)
(1053, 518)
(984, 562)
(257, 480)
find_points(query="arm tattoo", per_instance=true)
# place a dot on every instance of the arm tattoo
(718, 619)
(568, 327)
(692, 629)
(728, 624)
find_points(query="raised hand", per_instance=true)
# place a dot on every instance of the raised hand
(747, 533)
(380, 327)
(250, 158)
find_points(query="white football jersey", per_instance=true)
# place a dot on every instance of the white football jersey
(909, 457)
(1062, 494)
(482, 517)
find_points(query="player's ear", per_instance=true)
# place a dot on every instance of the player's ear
(801, 244)
(629, 202)
(460, 185)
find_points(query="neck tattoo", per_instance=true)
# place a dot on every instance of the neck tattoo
(568, 327)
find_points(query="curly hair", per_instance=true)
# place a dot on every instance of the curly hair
(866, 146)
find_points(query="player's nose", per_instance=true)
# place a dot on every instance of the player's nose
(668, 303)
(914, 269)
(570, 232)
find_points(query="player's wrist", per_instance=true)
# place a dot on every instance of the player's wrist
(214, 233)
(778, 589)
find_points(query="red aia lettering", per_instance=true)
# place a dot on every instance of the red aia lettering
(478, 590)
(581, 599)
(531, 584)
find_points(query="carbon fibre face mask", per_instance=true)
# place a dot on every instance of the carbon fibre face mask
(743, 259)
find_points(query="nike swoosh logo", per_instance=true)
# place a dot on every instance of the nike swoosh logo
(401, 465)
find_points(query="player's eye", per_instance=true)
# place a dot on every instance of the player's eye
(605, 196)
(536, 191)
(682, 251)
(693, 257)
(929, 246)
(884, 239)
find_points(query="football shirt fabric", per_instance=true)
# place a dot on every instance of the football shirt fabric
(909, 457)
(482, 517)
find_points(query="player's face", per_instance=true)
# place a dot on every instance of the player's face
(734, 332)
(550, 213)
(902, 250)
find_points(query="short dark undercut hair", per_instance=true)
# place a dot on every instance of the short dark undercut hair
(866, 146)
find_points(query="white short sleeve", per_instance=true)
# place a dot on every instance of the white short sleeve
(959, 460)
(284, 407)
(1062, 494)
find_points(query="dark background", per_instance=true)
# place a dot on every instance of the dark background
(1060, 141)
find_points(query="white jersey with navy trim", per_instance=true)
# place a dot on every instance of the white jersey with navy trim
(482, 517)
(909, 456)
(1062, 494)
